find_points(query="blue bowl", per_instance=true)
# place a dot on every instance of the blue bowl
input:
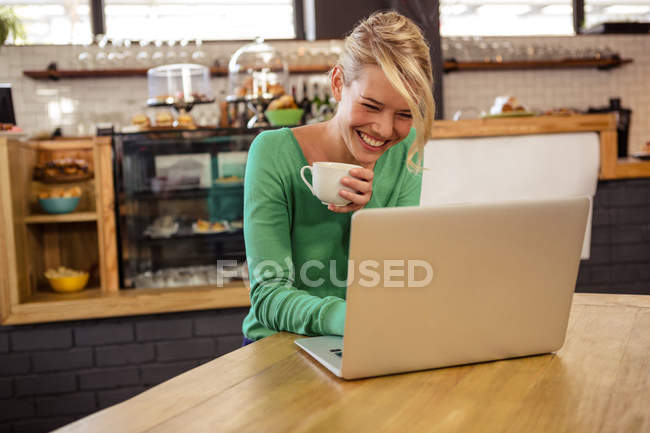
(59, 205)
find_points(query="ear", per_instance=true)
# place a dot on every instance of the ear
(337, 83)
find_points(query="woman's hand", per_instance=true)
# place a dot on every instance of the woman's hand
(361, 182)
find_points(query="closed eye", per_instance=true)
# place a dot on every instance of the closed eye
(371, 107)
(405, 115)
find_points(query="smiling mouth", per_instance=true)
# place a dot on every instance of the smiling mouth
(371, 142)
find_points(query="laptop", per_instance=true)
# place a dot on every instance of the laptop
(456, 284)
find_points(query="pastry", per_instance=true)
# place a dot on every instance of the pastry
(506, 104)
(164, 118)
(217, 227)
(203, 225)
(229, 179)
(74, 191)
(275, 89)
(186, 121)
(283, 102)
(141, 120)
(61, 272)
(247, 89)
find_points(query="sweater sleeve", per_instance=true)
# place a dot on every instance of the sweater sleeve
(275, 301)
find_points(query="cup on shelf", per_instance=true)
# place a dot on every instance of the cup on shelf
(198, 55)
(142, 57)
(158, 55)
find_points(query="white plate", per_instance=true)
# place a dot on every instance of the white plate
(152, 232)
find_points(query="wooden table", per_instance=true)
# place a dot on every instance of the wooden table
(598, 382)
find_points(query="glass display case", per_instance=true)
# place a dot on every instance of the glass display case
(257, 71)
(257, 74)
(180, 207)
(180, 86)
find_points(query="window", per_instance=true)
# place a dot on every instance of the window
(54, 21)
(199, 19)
(601, 11)
(532, 17)
(68, 21)
(505, 17)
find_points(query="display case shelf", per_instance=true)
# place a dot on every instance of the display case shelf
(188, 235)
(176, 194)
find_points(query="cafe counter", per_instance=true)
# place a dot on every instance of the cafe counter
(88, 238)
(611, 167)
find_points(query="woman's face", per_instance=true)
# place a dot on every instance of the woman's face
(372, 116)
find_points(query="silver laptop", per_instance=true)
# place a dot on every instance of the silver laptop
(456, 284)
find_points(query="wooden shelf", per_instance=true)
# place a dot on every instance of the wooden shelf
(522, 125)
(58, 144)
(36, 242)
(113, 73)
(94, 303)
(630, 168)
(448, 66)
(62, 218)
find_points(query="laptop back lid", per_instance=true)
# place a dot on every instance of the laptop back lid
(435, 287)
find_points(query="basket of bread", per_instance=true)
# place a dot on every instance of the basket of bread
(283, 111)
(63, 170)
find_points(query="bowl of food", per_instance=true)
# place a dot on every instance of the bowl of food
(284, 117)
(66, 280)
(59, 205)
(283, 111)
(60, 200)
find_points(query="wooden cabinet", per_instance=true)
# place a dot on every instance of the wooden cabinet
(32, 241)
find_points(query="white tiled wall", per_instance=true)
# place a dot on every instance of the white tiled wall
(93, 100)
(117, 99)
(573, 88)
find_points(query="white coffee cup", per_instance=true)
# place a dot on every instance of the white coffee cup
(326, 178)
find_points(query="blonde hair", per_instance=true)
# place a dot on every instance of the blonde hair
(395, 44)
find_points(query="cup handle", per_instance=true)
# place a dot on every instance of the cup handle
(302, 174)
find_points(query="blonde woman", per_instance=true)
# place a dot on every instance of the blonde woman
(297, 247)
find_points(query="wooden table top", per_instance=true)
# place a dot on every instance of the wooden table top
(598, 382)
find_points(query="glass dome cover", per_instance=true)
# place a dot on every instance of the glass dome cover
(257, 71)
(179, 85)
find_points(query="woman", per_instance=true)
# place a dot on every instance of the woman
(297, 248)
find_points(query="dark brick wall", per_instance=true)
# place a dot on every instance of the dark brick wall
(620, 240)
(52, 374)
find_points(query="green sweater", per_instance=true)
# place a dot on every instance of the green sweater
(293, 240)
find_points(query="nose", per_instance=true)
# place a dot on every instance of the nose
(384, 125)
